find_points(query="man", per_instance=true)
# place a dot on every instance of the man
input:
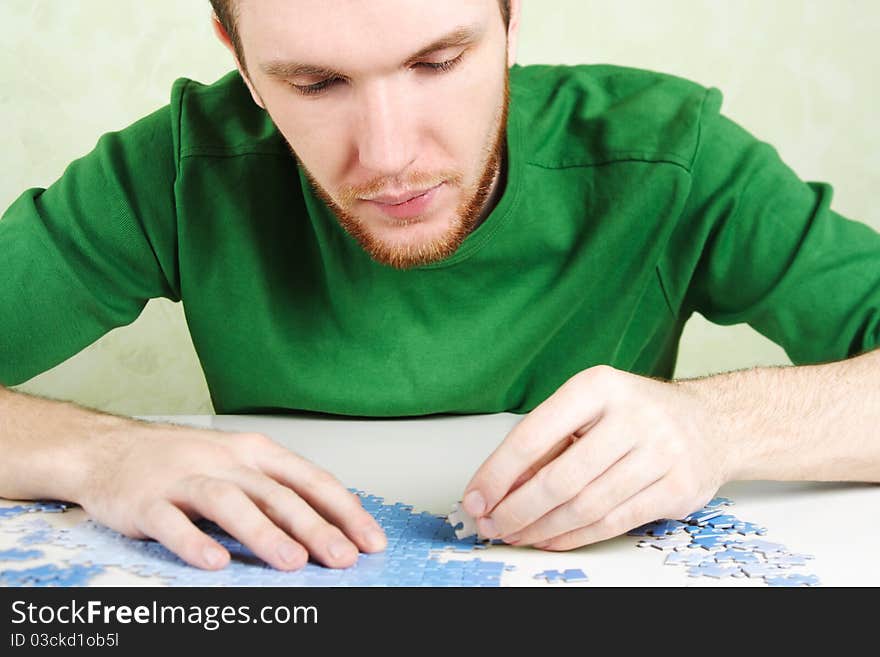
(380, 214)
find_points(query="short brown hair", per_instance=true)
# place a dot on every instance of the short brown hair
(227, 14)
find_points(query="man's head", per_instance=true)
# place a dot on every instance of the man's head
(395, 108)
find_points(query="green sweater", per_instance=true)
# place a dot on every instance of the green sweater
(630, 203)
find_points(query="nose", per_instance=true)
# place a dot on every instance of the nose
(387, 140)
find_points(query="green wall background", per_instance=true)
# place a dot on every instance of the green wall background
(800, 74)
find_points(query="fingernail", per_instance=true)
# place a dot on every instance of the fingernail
(213, 555)
(542, 544)
(512, 540)
(487, 528)
(288, 552)
(474, 503)
(374, 539)
(339, 549)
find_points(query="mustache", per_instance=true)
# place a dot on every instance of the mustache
(417, 180)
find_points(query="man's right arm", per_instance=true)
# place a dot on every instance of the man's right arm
(153, 480)
(81, 258)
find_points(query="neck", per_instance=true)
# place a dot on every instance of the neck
(496, 190)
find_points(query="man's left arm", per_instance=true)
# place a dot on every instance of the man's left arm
(806, 423)
(756, 245)
(611, 450)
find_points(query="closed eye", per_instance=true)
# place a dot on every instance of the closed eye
(324, 85)
(318, 87)
(448, 65)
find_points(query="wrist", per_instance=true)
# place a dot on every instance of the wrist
(54, 450)
(93, 453)
(723, 422)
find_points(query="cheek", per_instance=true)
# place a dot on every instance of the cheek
(464, 119)
(319, 138)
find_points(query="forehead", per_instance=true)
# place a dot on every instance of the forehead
(354, 34)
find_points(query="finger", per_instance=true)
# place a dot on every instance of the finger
(167, 524)
(565, 412)
(227, 505)
(533, 469)
(327, 496)
(643, 507)
(630, 475)
(559, 481)
(325, 542)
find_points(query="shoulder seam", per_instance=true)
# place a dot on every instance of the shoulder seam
(179, 126)
(699, 128)
(623, 156)
(229, 152)
(658, 269)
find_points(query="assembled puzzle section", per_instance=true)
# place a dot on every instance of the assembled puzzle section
(416, 543)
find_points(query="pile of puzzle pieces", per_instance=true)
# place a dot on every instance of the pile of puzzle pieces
(713, 543)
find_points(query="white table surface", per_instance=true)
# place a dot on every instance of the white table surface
(426, 462)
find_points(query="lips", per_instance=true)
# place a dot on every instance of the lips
(400, 198)
(406, 205)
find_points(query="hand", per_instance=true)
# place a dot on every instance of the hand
(154, 480)
(607, 452)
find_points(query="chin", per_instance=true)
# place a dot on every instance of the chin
(415, 244)
(409, 231)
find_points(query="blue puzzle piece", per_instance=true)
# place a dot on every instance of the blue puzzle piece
(730, 556)
(760, 569)
(666, 527)
(705, 530)
(37, 531)
(765, 547)
(792, 580)
(50, 575)
(722, 521)
(48, 506)
(574, 575)
(709, 542)
(703, 516)
(788, 560)
(713, 570)
(745, 558)
(42, 506)
(719, 501)
(689, 558)
(570, 575)
(644, 530)
(746, 528)
(19, 555)
(549, 575)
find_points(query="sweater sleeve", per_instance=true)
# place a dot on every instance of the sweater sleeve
(84, 255)
(758, 245)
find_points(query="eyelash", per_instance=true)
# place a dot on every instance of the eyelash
(319, 87)
(314, 89)
(448, 65)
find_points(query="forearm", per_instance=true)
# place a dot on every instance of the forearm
(51, 449)
(809, 423)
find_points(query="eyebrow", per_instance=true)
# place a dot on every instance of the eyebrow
(461, 36)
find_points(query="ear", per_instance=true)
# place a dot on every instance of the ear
(513, 31)
(224, 38)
